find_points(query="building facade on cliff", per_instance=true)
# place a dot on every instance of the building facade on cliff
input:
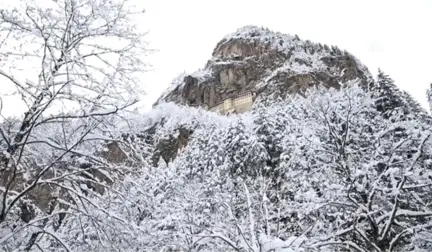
(240, 103)
(255, 62)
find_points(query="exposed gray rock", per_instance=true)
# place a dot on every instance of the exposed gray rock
(167, 149)
(270, 63)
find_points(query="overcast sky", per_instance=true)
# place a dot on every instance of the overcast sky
(393, 35)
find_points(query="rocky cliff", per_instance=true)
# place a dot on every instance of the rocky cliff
(266, 62)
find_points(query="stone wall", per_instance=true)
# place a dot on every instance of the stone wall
(243, 104)
(219, 107)
(239, 104)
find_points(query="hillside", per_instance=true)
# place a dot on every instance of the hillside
(328, 158)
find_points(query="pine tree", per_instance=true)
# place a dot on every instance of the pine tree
(412, 108)
(429, 97)
(271, 122)
(246, 155)
(388, 97)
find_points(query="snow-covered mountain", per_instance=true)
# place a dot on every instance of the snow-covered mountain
(328, 159)
(268, 63)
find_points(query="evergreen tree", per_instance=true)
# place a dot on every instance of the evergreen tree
(388, 97)
(342, 178)
(270, 123)
(429, 97)
(412, 108)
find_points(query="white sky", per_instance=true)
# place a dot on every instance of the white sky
(395, 35)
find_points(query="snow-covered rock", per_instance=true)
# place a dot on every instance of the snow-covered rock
(266, 62)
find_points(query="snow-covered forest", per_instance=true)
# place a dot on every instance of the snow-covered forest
(328, 172)
(346, 169)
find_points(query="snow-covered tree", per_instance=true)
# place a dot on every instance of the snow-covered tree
(347, 178)
(75, 66)
(388, 98)
(270, 122)
(327, 170)
(429, 96)
(349, 173)
(412, 108)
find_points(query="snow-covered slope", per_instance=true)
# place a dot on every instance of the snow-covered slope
(324, 171)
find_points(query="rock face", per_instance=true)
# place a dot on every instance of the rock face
(268, 63)
(167, 149)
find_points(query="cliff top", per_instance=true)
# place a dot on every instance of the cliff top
(255, 58)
